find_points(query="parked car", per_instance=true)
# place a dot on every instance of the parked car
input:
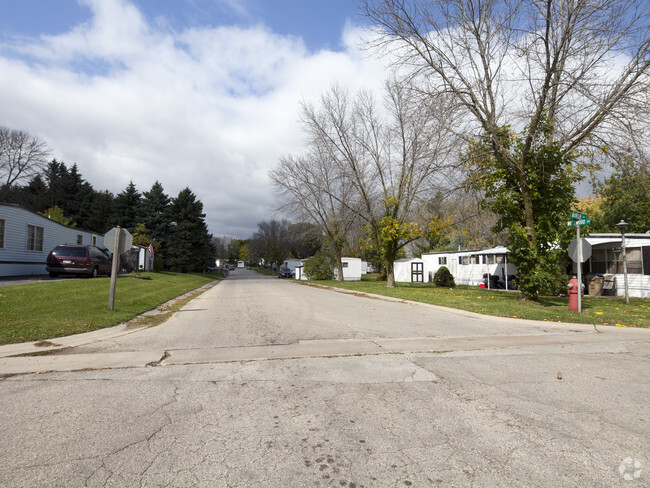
(285, 273)
(79, 260)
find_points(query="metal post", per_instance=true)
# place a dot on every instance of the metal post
(622, 225)
(579, 268)
(627, 295)
(114, 268)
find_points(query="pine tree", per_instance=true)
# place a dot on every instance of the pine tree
(188, 245)
(127, 208)
(100, 218)
(155, 217)
(78, 197)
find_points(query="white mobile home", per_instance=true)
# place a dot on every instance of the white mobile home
(607, 260)
(351, 269)
(26, 238)
(467, 267)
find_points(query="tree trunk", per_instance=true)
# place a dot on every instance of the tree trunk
(338, 252)
(390, 273)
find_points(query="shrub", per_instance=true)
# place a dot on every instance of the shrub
(444, 278)
(320, 267)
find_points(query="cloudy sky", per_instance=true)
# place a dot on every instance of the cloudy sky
(193, 93)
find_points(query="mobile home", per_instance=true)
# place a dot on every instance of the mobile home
(606, 260)
(26, 238)
(467, 267)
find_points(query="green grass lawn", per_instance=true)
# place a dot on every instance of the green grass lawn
(595, 310)
(49, 309)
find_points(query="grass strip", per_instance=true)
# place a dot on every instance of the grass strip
(595, 310)
(49, 309)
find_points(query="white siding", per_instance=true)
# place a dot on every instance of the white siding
(468, 274)
(351, 269)
(403, 269)
(15, 258)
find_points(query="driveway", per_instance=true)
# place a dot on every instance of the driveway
(267, 382)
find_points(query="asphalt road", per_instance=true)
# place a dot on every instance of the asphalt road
(261, 382)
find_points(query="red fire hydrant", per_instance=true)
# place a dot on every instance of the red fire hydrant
(573, 288)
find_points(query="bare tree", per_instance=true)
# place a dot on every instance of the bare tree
(271, 241)
(22, 156)
(537, 80)
(388, 155)
(528, 64)
(311, 189)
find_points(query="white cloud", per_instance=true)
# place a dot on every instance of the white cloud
(212, 109)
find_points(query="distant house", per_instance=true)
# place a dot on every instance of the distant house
(351, 270)
(26, 238)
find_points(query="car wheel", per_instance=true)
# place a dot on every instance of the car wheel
(95, 272)
(54, 275)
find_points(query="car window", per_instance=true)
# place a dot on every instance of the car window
(70, 251)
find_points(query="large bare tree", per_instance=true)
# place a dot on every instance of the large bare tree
(22, 156)
(311, 189)
(518, 62)
(536, 79)
(383, 157)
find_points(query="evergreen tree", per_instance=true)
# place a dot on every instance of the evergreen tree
(34, 195)
(126, 209)
(154, 210)
(101, 213)
(55, 175)
(188, 244)
(78, 197)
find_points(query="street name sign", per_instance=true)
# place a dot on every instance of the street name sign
(578, 216)
(573, 223)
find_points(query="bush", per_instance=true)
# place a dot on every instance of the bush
(444, 278)
(320, 267)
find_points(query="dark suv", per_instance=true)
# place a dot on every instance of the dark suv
(79, 260)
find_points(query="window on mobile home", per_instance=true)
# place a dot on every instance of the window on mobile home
(442, 260)
(610, 261)
(34, 238)
(494, 259)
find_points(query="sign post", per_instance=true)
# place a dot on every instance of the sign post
(117, 241)
(578, 219)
